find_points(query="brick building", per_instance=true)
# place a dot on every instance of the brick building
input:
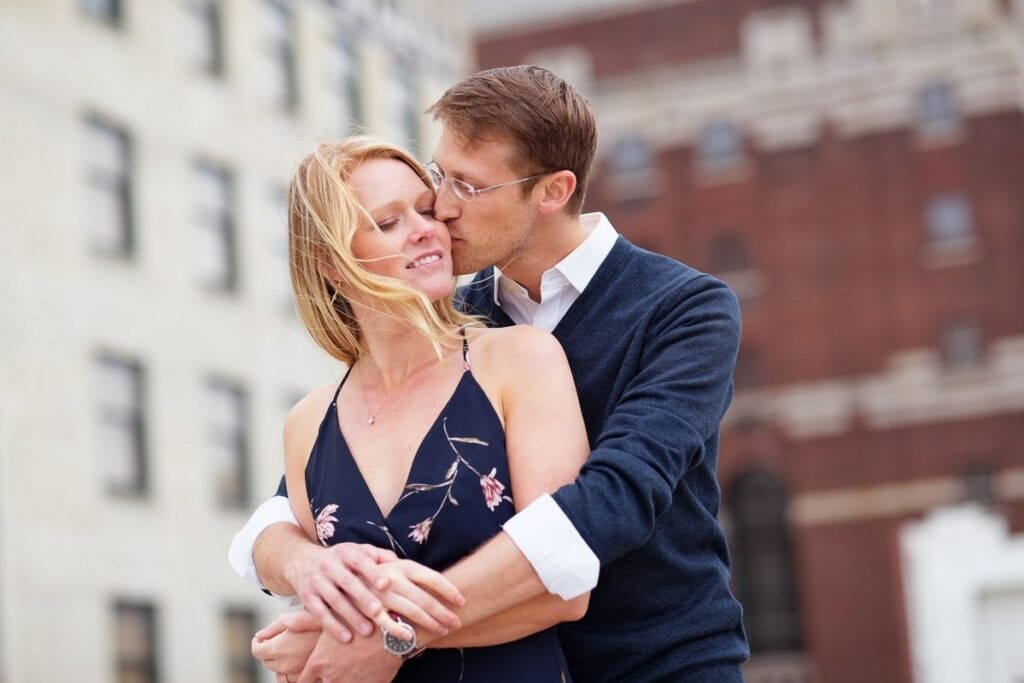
(855, 171)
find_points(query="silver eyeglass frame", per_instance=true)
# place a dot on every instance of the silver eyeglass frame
(462, 189)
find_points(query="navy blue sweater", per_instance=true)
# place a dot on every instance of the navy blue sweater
(652, 345)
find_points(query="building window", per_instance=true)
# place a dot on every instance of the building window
(279, 46)
(347, 86)
(228, 412)
(217, 251)
(205, 33)
(122, 427)
(978, 484)
(632, 169)
(962, 343)
(135, 642)
(239, 627)
(107, 11)
(763, 576)
(720, 147)
(936, 111)
(729, 259)
(949, 222)
(108, 185)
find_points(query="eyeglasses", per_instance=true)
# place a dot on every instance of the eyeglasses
(464, 190)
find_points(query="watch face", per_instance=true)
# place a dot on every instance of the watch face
(397, 646)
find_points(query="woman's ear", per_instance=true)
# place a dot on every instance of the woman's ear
(557, 189)
(327, 271)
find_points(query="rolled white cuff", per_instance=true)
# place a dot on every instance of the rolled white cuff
(564, 562)
(272, 511)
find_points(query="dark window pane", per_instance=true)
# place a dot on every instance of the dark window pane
(122, 432)
(229, 443)
(949, 221)
(135, 642)
(962, 343)
(762, 563)
(108, 188)
(108, 11)
(720, 145)
(239, 627)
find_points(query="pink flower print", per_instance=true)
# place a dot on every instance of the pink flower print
(420, 531)
(325, 523)
(492, 489)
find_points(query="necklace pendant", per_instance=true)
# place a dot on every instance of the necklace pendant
(370, 421)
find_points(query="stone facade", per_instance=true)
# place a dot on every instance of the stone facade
(91, 89)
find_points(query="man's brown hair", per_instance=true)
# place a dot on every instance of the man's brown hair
(549, 123)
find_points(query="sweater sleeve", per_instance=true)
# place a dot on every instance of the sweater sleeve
(660, 426)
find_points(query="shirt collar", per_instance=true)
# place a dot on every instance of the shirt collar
(581, 264)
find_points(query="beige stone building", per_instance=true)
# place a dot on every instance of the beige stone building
(148, 349)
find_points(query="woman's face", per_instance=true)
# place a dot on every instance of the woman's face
(410, 245)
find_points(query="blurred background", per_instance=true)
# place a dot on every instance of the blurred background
(854, 169)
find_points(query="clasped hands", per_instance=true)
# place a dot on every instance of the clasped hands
(348, 591)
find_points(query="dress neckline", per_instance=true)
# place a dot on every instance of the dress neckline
(416, 457)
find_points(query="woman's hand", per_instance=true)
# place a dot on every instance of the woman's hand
(412, 591)
(285, 644)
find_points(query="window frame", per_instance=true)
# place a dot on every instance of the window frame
(132, 419)
(118, 183)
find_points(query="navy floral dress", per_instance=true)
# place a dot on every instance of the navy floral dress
(454, 500)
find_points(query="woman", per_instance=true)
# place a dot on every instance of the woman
(441, 429)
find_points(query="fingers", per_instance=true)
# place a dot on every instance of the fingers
(416, 605)
(364, 561)
(423, 606)
(264, 650)
(270, 630)
(397, 629)
(299, 621)
(436, 583)
(379, 555)
(328, 619)
(340, 586)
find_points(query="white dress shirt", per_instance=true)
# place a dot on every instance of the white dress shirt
(543, 533)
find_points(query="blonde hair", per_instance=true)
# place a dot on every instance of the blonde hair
(323, 216)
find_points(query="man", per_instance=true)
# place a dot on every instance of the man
(651, 343)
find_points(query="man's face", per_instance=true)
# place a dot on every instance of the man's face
(494, 228)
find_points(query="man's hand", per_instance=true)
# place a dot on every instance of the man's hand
(363, 660)
(285, 644)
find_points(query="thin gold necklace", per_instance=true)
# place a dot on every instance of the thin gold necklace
(366, 404)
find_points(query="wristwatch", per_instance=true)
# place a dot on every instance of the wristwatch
(397, 646)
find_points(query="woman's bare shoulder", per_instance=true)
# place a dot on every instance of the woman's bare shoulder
(304, 417)
(516, 343)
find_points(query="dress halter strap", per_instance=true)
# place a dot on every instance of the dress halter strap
(465, 349)
(337, 391)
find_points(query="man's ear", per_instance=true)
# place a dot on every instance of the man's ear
(556, 189)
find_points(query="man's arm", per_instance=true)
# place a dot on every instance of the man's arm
(272, 511)
(655, 434)
(662, 423)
